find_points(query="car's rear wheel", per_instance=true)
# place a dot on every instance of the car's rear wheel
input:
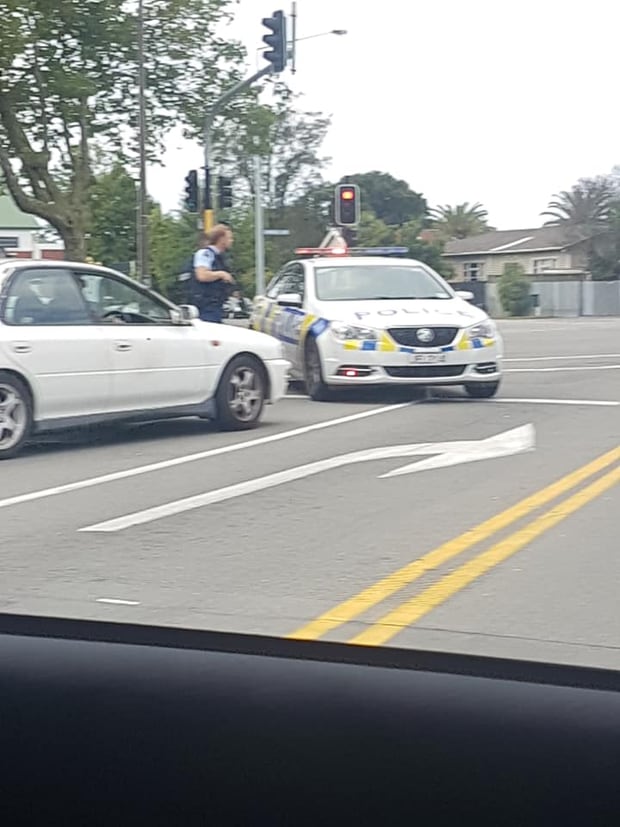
(241, 394)
(15, 415)
(481, 390)
(313, 373)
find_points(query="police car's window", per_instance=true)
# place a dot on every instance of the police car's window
(273, 286)
(45, 296)
(112, 300)
(290, 280)
(374, 282)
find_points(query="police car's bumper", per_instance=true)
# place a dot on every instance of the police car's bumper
(429, 366)
(278, 371)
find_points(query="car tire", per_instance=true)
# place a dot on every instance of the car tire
(241, 394)
(16, 415)
(481, 390)
(313, 373)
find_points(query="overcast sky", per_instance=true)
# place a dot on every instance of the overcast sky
(499, 102)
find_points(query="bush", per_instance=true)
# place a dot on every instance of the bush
(514, 291)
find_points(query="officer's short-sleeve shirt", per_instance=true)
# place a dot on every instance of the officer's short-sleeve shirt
(204, 258)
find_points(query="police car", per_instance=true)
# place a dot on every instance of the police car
(373, 317)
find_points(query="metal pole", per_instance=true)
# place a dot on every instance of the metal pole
(142, 245)
(211, 114)
(259, 234)
(294, 38)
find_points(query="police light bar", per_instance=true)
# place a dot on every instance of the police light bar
(379, 251)
(321, 251)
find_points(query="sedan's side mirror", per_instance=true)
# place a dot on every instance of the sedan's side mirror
(176, 317)
(290, 300)
(465, 295)
(190, 312)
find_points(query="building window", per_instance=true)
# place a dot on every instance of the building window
(541, 264)
(472, 270)
(7, 241)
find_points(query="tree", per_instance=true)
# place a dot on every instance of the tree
(173, 241)
(113, 201)
(373, 232)
(591, 210)
(390, 199)
(67, 85)
(604, 247)
(586, 205)
(514, 290)
(288, 141)
(460, 221)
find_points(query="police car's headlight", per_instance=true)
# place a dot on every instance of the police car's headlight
(486, 329)
(343, 332)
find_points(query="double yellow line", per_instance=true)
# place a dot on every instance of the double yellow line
(412, 610)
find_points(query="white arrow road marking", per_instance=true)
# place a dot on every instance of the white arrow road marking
(510, 442)
(502, 445)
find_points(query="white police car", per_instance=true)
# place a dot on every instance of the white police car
(365, 317)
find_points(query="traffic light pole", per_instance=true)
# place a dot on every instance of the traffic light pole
(259, 229)
(212, 113)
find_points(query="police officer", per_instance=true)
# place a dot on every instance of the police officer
(211, 279)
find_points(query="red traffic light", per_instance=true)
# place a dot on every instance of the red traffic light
(347, 205)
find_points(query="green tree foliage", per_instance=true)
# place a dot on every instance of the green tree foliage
(514, 290)
(591, 208)
(373, 232)
(460, 221)
(389, 199)
(173, 240)
(112, 229)
(287, 139)
(68, 85)
(586, 205)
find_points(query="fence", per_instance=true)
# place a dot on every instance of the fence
(562, 299)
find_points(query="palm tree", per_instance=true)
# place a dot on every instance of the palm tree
(590, 212)
(460, 221)
(586, 205)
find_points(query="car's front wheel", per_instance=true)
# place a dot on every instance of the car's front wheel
(241, 394)
(313, 373)
(15, 415)
(482, 390)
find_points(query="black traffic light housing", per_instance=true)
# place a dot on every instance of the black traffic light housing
(347, 205)
(224, 193)
(277, 51)
(191, 191)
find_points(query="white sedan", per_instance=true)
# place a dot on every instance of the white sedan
(349, 321)
(82, 344)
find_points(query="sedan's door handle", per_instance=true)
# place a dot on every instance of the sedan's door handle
(122, 346)
(21, 347)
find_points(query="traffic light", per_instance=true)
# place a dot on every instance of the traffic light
(277, 53)
(347, 205)
(191, 191)
(224, 193)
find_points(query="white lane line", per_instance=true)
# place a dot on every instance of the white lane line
(296, 396)
(597, 403)
(563, 358)
(213, 452)
(117, 602)
(566, 368)
(505, 444)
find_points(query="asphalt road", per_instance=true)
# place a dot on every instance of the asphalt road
(504, 542)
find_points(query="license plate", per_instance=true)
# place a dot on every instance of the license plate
(427, 358)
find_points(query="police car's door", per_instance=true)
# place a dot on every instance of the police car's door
(287, 313)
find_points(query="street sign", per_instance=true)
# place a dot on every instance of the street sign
(276, 232)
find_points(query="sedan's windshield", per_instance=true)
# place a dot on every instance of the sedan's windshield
(367, 282)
